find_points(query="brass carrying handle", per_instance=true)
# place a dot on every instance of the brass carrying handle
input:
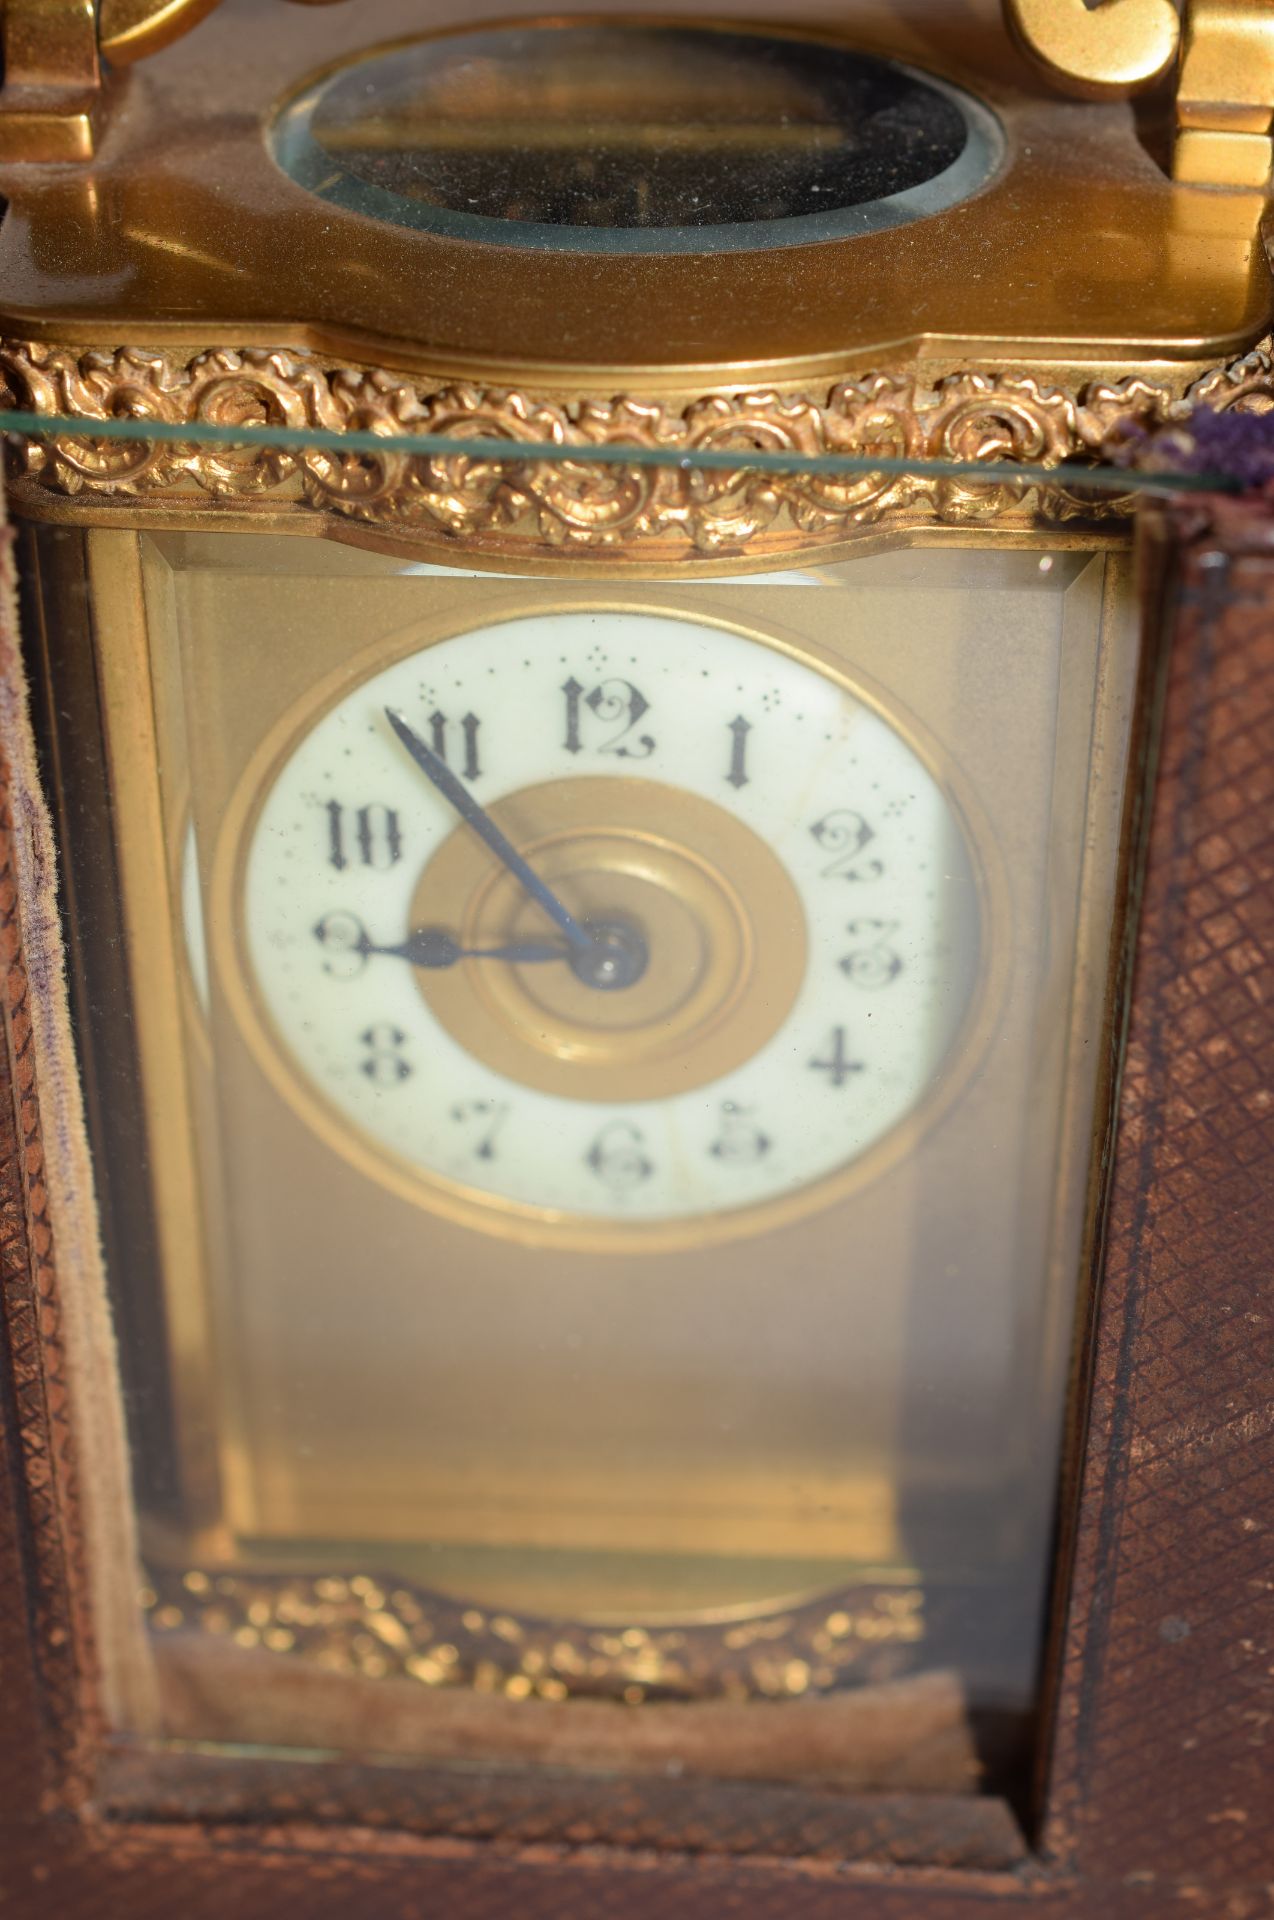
(58, 43)
(128, 30)
(1222, 52)
(1093, 47)
(1113, 46)
(1116, 47)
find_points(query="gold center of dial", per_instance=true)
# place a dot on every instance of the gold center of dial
(720, 921)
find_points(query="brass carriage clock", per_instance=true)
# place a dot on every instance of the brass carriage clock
(593, 973)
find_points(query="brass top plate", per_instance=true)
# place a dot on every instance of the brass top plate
(1080, 257)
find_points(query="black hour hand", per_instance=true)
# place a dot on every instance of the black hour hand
(350, 947)
(435, 947)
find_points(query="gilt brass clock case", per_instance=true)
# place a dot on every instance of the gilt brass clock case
(182, 274)
(1007, 278)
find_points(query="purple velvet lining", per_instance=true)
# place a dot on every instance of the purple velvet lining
(1236, 444)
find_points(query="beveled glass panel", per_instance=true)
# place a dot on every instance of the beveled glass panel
(618, 1064)
(624, 137)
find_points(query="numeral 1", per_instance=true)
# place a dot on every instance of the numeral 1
(574, 693)
(838, 1063)
(739, 729)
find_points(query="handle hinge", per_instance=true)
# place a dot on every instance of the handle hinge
(1221, 53)
(50, 101)
(54, 52)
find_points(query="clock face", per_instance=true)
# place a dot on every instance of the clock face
(608, 920)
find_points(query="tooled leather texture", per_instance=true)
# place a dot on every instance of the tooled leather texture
(1164, 1765)
(1159, 1789)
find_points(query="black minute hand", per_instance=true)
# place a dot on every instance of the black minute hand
(458, 796)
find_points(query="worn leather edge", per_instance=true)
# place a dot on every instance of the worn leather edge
(73, 1446)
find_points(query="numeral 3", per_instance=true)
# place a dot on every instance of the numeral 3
(872, 963)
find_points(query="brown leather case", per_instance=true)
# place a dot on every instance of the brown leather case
(1158, 1737)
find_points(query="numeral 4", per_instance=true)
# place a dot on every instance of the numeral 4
(838, 1064)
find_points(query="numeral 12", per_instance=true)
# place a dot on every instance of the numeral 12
(617, 703)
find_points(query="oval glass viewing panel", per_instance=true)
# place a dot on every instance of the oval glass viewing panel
(621, 138)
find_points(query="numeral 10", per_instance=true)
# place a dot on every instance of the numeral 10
(371, 835)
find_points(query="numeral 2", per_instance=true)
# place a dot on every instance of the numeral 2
(846, 835)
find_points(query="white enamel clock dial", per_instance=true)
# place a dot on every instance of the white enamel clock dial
(788, 888)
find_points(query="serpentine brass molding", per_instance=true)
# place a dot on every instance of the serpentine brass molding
(502, 507)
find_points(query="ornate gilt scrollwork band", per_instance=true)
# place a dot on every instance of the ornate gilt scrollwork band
(381, 1629)
(506, 508)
